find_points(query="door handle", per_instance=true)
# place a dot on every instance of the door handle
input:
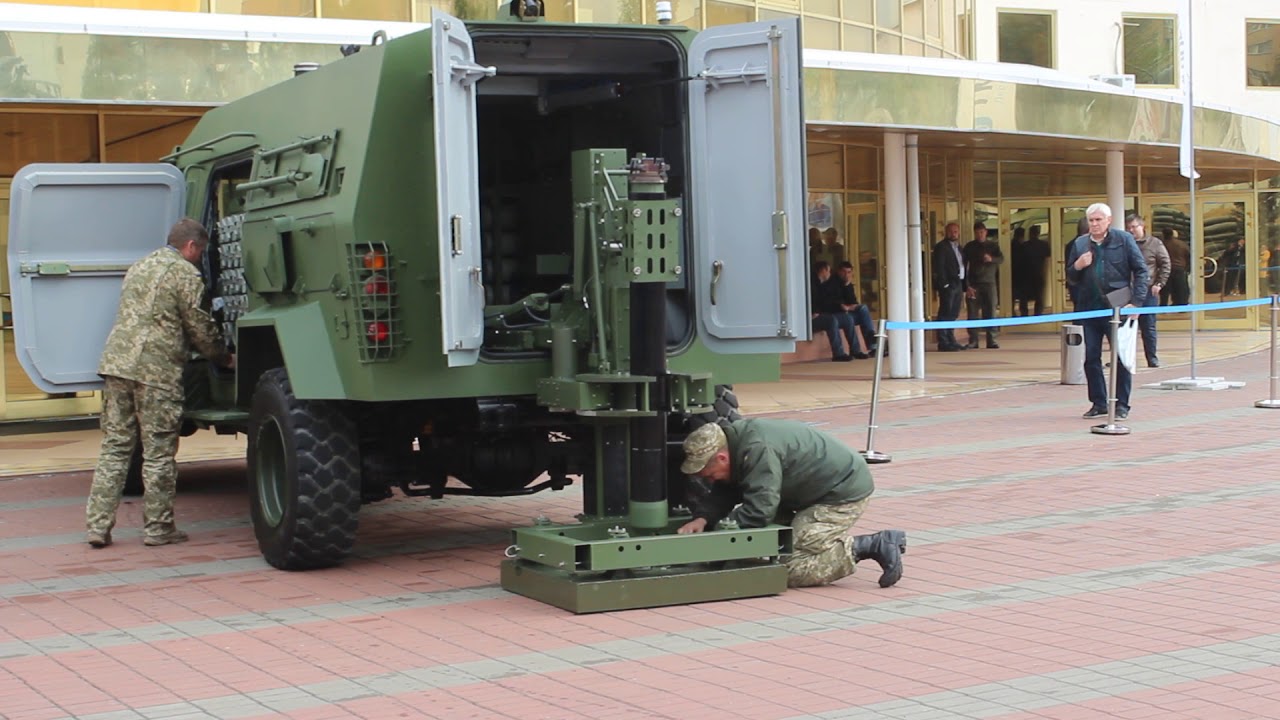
(717, 268)
(1212, 272)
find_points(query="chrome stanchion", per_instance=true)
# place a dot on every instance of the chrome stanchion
(871, 456)
(1272, 402)
(1111, 428)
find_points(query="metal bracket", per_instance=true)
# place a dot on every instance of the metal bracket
(467, 74)
(746, 75)
(54, 269)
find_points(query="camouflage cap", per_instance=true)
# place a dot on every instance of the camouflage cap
(701, 445)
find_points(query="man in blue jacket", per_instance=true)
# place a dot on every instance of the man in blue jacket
(1108, 271)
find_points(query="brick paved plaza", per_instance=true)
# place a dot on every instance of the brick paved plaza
(1052, 573)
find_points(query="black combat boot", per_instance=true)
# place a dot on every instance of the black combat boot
(886, 548)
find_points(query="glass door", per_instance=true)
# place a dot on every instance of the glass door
(1051, 226)
(1229, 260)
(1069, 220)
(1170, 220)
(863, 232)
(1228, 264)
(1029, 256)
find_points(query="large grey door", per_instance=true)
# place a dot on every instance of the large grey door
(458, 186)
(747, 130)
(74, 229)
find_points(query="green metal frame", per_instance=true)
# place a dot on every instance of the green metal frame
(609, 544)
(603, 564)
(629, 590)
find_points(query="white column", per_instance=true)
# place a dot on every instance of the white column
(915, 261)
(1115, 187)
(895, 240)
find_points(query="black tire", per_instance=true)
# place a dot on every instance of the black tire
(133, 486)
(304, 477)
(723, 410)
(688, 491)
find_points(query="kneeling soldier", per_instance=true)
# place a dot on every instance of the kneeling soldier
(785, 472)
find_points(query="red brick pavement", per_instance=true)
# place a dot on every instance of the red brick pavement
(1053, 574)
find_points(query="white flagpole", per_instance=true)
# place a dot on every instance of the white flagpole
(1187, 161)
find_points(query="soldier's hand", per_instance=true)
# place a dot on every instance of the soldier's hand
(695, 525)
(230, 362)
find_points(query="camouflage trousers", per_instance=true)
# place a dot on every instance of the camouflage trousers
(822, 549)
(131, 410)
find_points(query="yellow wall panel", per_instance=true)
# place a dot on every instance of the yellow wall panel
(175, 5)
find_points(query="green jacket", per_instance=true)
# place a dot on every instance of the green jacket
(780, 467)
(159, 319)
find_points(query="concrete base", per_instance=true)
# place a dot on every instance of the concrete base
(1198, 383)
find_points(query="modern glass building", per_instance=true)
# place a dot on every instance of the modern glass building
(1019, 115)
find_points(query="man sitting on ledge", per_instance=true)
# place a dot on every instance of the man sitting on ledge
(828, 315)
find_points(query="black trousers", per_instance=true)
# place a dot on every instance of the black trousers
(1177, 290)
(984, 303)
(948, 309)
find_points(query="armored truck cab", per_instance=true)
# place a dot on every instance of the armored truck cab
(457, 261)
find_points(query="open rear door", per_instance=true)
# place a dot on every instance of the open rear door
(455, 75)
(747, 131)
(74, 230)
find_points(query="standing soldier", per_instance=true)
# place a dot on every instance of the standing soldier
(159, 319)
(982, 259)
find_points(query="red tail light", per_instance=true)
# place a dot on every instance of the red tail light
(378, 332)
(377, 285)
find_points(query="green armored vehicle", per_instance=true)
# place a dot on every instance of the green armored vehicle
(478, 259)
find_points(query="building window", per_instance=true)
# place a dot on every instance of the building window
(1026, 38)
(283, 8)
(395, 10)
(1262, 63)
(1151, 50)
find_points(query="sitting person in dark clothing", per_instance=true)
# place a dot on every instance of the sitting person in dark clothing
(828, 315)
(859, 313)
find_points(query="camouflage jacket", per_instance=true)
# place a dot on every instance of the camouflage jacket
(159, 320)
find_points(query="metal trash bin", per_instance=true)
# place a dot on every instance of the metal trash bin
(1072, 358)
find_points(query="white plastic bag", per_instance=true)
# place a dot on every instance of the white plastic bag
(1127, 342)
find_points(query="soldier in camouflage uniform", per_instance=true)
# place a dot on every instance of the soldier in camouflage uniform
(785, 472)
(159, 320)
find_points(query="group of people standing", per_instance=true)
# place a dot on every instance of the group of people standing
(969, 274)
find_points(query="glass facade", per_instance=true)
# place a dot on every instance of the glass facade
(146, 69)
(934, 28)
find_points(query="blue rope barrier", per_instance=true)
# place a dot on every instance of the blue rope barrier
(1227, 305)
(1068, 317)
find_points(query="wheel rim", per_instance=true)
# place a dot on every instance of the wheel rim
(270, 470)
